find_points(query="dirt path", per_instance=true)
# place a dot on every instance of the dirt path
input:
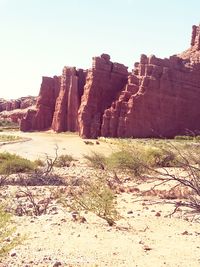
(43, 143)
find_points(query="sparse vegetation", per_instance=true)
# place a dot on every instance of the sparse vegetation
(133, 159)
(7, 240)
(96, 160)
(95, 197)
(64, 160)
(39, 163)
(184, 137)
(11, 163)
(125, 160)
(9, 138)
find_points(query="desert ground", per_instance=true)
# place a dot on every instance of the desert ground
(148, 232)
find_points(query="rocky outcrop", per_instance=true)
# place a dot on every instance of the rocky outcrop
(41, 117)
(68, 101)
(58, 103)
(161, 98)
(103, 84)
(20, 103)
(15, 110)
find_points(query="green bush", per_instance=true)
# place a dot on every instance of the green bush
(96, 160)
(64, 160)
(140, 158)
(11, 163)
(127, 161)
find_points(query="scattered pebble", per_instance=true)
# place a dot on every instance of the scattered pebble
(129, 212)
(57, 263)
(158, 214)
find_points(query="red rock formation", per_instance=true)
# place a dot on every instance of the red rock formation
(58, 103)
(27, 121)
(20, 103)
(161, 98)
(195, 41)
(103, 83)
(41, 118)
(68, 101)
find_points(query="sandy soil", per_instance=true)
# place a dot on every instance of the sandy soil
(145, 236)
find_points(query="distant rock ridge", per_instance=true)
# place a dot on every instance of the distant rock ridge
(159, 98)
(15, 109)
(20, 103)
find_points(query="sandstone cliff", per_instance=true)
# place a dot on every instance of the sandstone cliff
(40, 118)
(58, 103)
(68, 101)
(159, 98)
(104, 82)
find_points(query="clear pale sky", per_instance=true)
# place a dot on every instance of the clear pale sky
(39, 37)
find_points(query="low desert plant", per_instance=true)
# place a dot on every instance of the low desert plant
(39, 163)
(95, 197)
(64, 160)
(7, 240)
(184, 137)
(160, 157)
(128, 161)
(9, 138)
(96, 160)
(16, 165)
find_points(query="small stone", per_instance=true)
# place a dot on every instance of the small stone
(185, 233)
(147, 248)
(130, 212)
(157, 214)
(57, 263)
(82, 219)
(13, 253)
